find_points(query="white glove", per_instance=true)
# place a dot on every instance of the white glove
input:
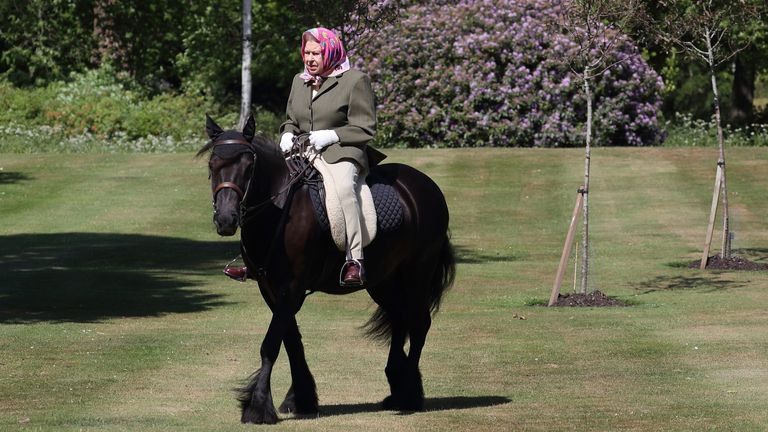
(286, 142)
(323, 138)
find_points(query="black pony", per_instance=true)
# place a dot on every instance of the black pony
(286, 251)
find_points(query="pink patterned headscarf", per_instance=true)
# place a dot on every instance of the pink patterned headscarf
(335, 59)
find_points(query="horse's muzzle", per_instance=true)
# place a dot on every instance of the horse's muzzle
(226, 223)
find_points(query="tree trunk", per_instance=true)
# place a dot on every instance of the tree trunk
(245, 104)
(585, 233)
(743, 89)
(726, 244)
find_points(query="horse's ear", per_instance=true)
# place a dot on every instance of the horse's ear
(250, 128)
(211, 128)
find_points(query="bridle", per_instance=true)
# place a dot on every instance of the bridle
(230, 185)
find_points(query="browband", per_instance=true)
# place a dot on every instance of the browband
(232, 141)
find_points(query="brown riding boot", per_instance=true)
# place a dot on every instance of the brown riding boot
(353, 273)
(237, 273)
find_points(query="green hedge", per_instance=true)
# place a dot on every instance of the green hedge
(102, 111)
(685, 131)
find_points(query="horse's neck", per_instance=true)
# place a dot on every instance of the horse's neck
(270, 176)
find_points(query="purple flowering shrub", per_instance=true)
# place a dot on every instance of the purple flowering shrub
(493, 73)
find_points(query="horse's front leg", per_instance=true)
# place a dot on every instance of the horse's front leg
(302, 396)
(256, 398)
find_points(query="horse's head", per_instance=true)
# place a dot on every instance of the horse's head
(230, 169)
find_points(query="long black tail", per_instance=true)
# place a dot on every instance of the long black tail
(379, 326)
(445, 276)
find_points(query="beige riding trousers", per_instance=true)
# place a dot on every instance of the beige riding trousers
(345, 174)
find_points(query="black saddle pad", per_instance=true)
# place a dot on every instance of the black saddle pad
(389, 209)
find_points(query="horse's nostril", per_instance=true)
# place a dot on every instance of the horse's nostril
(226, 219)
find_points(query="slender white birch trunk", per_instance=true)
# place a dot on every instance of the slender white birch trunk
(726, 241)
(585, 232)
(245, 104)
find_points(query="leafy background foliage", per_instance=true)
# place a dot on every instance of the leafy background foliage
(498, 79)
(89, 70)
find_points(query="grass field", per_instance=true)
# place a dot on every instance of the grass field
(114, 315)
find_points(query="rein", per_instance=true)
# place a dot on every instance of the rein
(240, 194)
(297, 168)
(249, 212)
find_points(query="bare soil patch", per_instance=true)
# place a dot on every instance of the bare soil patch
(715, 262)
(592, 299)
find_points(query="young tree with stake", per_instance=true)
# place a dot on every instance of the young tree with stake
(707, 30)
(596, 28)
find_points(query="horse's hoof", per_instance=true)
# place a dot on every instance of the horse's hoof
(294, 404)
(287, 408)
(265, 416)
(390, 403)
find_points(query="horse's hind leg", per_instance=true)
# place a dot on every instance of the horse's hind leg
(419, 321)
(396, 364)
(403, 373)
(302, 396)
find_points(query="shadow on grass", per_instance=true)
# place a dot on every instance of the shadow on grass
(87, 277)
(465, 255)
(13, 177)
(700, 283)
(430, 404)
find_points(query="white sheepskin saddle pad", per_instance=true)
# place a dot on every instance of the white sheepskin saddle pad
(336, 216)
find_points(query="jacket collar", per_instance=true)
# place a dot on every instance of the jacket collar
(329, 83)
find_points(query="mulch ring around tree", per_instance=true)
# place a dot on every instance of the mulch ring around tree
(733, 263)
(593, 299)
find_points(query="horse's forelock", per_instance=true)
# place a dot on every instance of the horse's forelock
(258, 140)
(232, 151)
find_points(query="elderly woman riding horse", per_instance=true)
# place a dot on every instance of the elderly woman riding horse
(334, 104)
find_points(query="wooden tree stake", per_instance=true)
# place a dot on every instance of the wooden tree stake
(566, 249)
(712, 216)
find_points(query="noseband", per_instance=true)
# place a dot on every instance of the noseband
(228, 185)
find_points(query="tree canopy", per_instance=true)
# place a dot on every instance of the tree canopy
(190, 45)
(193, 46)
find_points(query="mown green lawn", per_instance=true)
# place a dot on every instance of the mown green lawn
(114, 315)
